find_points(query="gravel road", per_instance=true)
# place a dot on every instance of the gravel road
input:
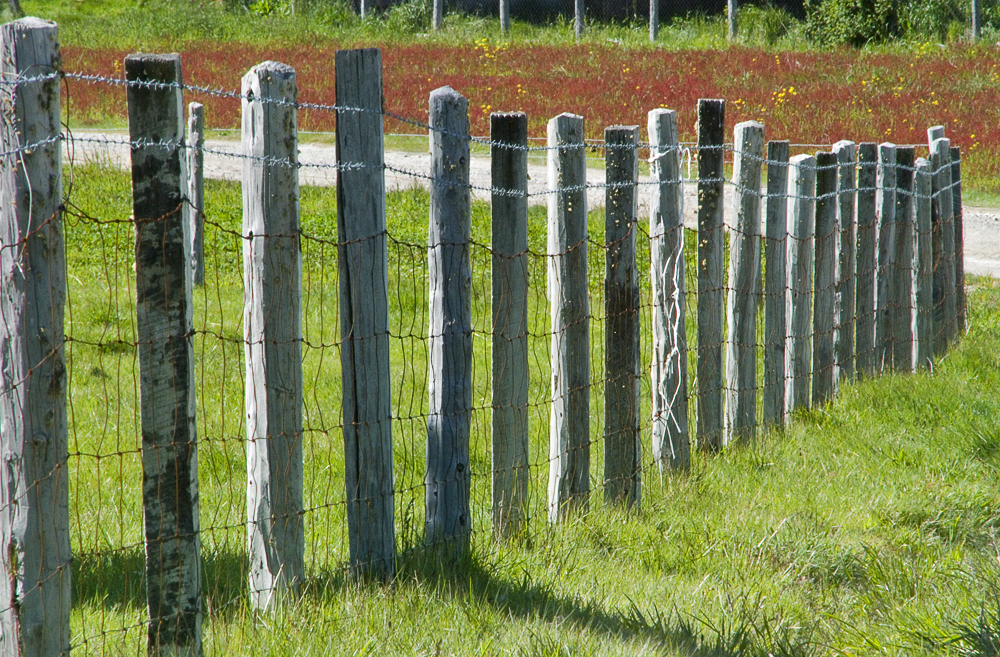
(982, 225)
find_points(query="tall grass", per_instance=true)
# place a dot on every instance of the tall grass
(869, 526)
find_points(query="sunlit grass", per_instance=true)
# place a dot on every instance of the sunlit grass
(869, 526)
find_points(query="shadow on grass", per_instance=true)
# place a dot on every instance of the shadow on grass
(115, 580)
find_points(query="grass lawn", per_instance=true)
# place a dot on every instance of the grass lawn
(868, 527)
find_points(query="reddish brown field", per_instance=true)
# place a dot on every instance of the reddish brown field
(810, 97)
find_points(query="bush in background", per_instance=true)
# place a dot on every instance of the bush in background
(856, 22)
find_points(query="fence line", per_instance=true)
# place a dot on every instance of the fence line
(413, 364)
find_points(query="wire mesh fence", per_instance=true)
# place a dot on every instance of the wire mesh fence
(364, 377)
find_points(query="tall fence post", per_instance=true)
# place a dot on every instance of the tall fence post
(802, 217)
(957, 217)
(775, 284)
(505, 16)
(922, 190)
(902, 305)
(448, 522)
(272, 279)
(977, 19)
(847, 274)
(196, 189)
(578, 9)
(509, 162)
(945, 309)
(437, 14)
(864, 362)
(166, 355)
(886, 200)
(364, 312)
(34, 493)
(654, 19)
(711, 285)
(622, 350)
(569, 431)
(744, 282)
(731, 15)
(827, 232)
(671, 439)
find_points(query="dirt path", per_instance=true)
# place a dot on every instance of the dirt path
(982, 225)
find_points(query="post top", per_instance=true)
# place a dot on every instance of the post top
(32, 23)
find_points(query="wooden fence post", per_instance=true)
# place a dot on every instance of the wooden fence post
(654, 19)
(826, 232)
(867, 260)
(902, 305)
(578, 9)
(802, 216)
(731, 15)
(364, 312)
(922, 190)
(886, 200)
(775, 284)
(671, 441)
(448, 523)
(272, 279)
(622, 350)
(977, 19)
(437, 14)
(711, 285)
(196, 189)
(569, 432)
(166, 355)
(846, 277)
(505, 16)
(35, 558)
(945, 309)
(509, 158)
(957, 217)
(744, 282)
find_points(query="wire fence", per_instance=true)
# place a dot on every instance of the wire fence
(365, 380)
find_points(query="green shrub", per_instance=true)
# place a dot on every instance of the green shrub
(765, 24)
(857, 22)
(933, 19)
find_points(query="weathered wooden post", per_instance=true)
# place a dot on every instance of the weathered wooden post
(505, 16)
(671, 441)
(867, 259)
(509, 158)
(957, 217)
(437, 14)
(775, 284)
(977, 19)
(731, 16)
(711, 285)
(35, 558)
(448, 522)
(846, 277)
(364, 313)
(745, 284)
(654, 19)
(272, 326)
(801, 220)
(569, 430)
(922, 190)
(886, 200)
(622, 350)
(942, 206)
(196, 189)
(578, 10)
(166, 355)
(824, 379)
(902, 305)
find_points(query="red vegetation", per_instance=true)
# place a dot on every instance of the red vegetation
(811, 97)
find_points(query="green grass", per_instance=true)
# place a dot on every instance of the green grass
(868, 527)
